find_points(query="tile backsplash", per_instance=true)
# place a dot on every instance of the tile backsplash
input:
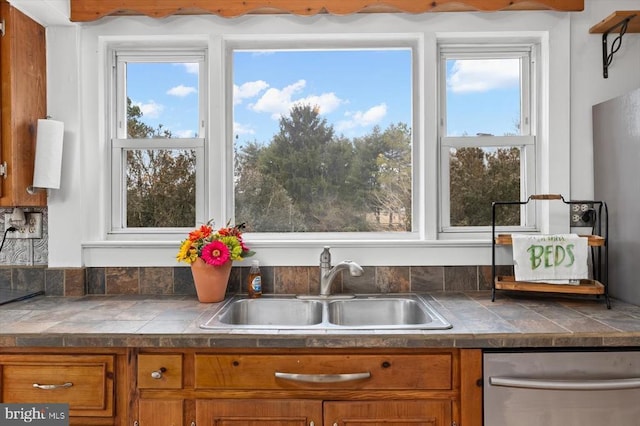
(154, 281)
(25, 251)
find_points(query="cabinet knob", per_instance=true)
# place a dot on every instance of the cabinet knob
(158, 373)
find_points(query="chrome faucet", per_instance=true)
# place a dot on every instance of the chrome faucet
(328, 274)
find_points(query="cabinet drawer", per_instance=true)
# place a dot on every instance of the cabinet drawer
(159, 371)
(385, 372)
(85, 382)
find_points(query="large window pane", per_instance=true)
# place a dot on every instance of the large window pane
(322, 140)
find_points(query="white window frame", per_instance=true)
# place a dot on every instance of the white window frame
(84, 104)
(491, 49)
(120, 143)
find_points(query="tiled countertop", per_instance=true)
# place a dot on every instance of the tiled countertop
(513, 320)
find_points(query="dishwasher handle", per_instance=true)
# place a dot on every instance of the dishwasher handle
(559, 384)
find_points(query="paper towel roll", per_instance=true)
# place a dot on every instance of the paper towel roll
(48, 164)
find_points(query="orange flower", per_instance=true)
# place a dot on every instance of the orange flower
(198, 234)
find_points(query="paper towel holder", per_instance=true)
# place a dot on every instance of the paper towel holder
(32, 190)
(48, 159)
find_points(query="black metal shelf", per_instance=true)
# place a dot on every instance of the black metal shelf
(620, 22)
(597, 241)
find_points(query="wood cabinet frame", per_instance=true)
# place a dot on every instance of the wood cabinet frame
(465, 394)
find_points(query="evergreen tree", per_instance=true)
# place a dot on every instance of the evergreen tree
(260, 200)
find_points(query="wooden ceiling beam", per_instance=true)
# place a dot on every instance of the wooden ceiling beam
(91, 10)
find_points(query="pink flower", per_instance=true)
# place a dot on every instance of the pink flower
(215, 253)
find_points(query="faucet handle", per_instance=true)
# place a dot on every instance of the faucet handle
(325, 257)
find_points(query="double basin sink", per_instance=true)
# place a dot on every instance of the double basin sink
(358, 312)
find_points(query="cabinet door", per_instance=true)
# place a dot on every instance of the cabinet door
(23, 74)
(160, 412)
(252, 412)
(388, 413)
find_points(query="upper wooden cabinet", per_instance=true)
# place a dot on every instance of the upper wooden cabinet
(23, 94)
(90, 10)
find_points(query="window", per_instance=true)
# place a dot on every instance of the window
(320, 138)
(487, 142)
(323, 139)
(157, 152)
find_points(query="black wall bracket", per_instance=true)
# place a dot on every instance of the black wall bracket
(607, 56)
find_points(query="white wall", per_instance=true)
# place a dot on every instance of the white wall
(76, 217)
(588, 87)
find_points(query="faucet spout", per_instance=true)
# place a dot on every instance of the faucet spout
(328, 274)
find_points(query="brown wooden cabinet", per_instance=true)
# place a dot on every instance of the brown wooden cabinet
(23, 102)
(388, 413)
(305, 388)
(225, 387)
(236, 412)
(330, 413)
(153, 412)
(93, 382)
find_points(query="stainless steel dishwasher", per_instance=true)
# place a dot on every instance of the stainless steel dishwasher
(561, 388)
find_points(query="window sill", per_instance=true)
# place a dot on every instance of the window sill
(300, 253)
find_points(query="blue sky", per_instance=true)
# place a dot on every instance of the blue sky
(483, 96)
(354, 89)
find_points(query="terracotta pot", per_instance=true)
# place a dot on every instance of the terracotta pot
(210, 281)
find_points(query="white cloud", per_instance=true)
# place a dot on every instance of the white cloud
(278, 102)
(368, 118)
(181, 91)
(483, 75)
(242, 129)
(247, 90)
(192, 67)
(327, 102)
(151, 109)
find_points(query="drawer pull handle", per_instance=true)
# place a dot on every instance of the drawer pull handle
(50, 387)
(158, 373)
(323, 378)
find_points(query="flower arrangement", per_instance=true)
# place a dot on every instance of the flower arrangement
(214, 247)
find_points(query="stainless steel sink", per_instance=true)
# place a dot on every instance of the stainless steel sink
(378, 312)
(361, 312)
(271, 312)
